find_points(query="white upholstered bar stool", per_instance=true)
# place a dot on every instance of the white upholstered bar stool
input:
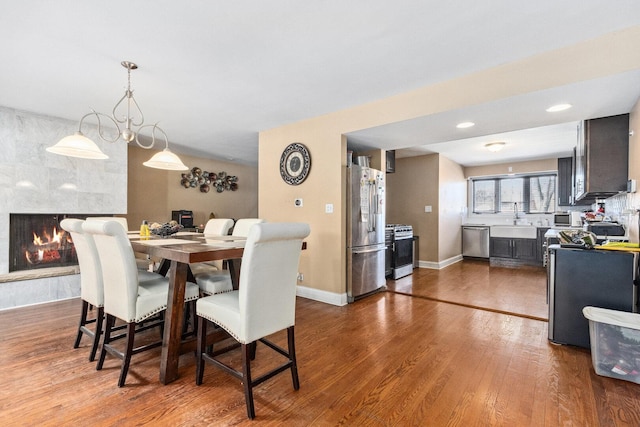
(264, 304)
(91, 291)
(142, 263)
(214, 227)
(214, 282)
(243, 225)
(218, 227)
(125, 297)
(91, 285)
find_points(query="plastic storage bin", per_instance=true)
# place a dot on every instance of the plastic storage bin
(615, 343)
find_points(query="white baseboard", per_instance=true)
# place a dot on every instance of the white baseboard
(322, 296)
(341, 299)
(441, 264)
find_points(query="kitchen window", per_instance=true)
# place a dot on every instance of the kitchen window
(531, 193)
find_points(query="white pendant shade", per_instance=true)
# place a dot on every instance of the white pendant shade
(165, 159)
(77, 145)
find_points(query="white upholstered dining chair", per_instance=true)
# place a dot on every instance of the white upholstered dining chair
(91, 291)
(142, 263)
(215, 281)
(91, 285)
(243, 225)
(264, 304)
(213, 227)
(125, 296)
(218, 227)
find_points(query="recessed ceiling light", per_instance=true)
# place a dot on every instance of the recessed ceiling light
(465, 125)
(559, 107)
(494, 146)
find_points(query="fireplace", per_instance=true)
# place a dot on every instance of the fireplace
(37, 241)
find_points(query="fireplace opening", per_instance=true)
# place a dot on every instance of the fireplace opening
(37, 241)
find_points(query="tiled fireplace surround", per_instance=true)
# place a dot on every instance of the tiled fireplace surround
(35, 181)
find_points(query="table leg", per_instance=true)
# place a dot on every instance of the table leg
(234, 271)
(173, 323)
(165, 264)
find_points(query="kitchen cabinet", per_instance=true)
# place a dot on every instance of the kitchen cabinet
(565, 181)
(601, 157)
(513, 248)
(390, 161)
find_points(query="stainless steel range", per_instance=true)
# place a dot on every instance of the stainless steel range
(399, 239)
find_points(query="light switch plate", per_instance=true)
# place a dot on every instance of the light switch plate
(328, 208)
(428, 209)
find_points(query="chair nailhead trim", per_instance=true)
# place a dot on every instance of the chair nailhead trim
(226, 328)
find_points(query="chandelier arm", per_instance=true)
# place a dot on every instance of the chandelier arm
(139, 111)
(153, 136)
(115, 107)
(129, 97)
(100, 128)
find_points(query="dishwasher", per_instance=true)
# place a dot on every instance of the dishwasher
(475, 241)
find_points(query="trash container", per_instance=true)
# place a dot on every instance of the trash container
(615, 343)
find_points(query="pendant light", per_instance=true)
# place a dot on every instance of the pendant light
(78, 145)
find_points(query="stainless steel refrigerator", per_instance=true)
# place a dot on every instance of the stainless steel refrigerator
(365, 231)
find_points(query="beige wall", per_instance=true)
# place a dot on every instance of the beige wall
(413, 186)
(516, 167)
(154, 193)
(452, 190)
(324, 261)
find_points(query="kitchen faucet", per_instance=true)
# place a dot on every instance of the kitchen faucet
(515, 213)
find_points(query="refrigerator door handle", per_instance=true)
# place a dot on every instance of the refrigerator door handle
(366, 251)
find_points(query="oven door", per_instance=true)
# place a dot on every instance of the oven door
(402, 252)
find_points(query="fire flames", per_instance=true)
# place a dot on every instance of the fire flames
(46, 248)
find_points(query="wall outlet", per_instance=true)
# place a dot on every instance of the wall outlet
(297, 203)
(428, 209)
(328, 208)
(300, 277)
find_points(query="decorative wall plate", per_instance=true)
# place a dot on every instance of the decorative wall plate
(295, 163)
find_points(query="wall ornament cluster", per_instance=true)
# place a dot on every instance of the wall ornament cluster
(221, 181)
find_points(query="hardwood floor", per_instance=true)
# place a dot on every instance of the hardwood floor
(387, 360)
(472, 283)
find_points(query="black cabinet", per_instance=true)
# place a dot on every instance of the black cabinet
(565, 181)
(514, 248)
(601, 160)
(390, 161)
(501, 247)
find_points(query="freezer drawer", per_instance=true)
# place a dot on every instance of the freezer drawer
(475, 241)
(365, 270)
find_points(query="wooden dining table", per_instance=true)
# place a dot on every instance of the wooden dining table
(177, 252)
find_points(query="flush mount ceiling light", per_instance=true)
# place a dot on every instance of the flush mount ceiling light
(558, 107)
(78, 145)
(494, 146)
(465, 125)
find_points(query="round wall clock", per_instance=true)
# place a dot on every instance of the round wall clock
(295, 163)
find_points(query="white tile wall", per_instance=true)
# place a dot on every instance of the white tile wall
(33, 180)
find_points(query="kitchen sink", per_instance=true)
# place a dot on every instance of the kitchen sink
(515, 231)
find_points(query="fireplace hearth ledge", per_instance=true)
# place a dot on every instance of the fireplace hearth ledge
(39, 273)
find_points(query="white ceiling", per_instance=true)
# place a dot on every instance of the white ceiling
(214, 73)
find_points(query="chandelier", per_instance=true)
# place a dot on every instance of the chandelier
(129, 127)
